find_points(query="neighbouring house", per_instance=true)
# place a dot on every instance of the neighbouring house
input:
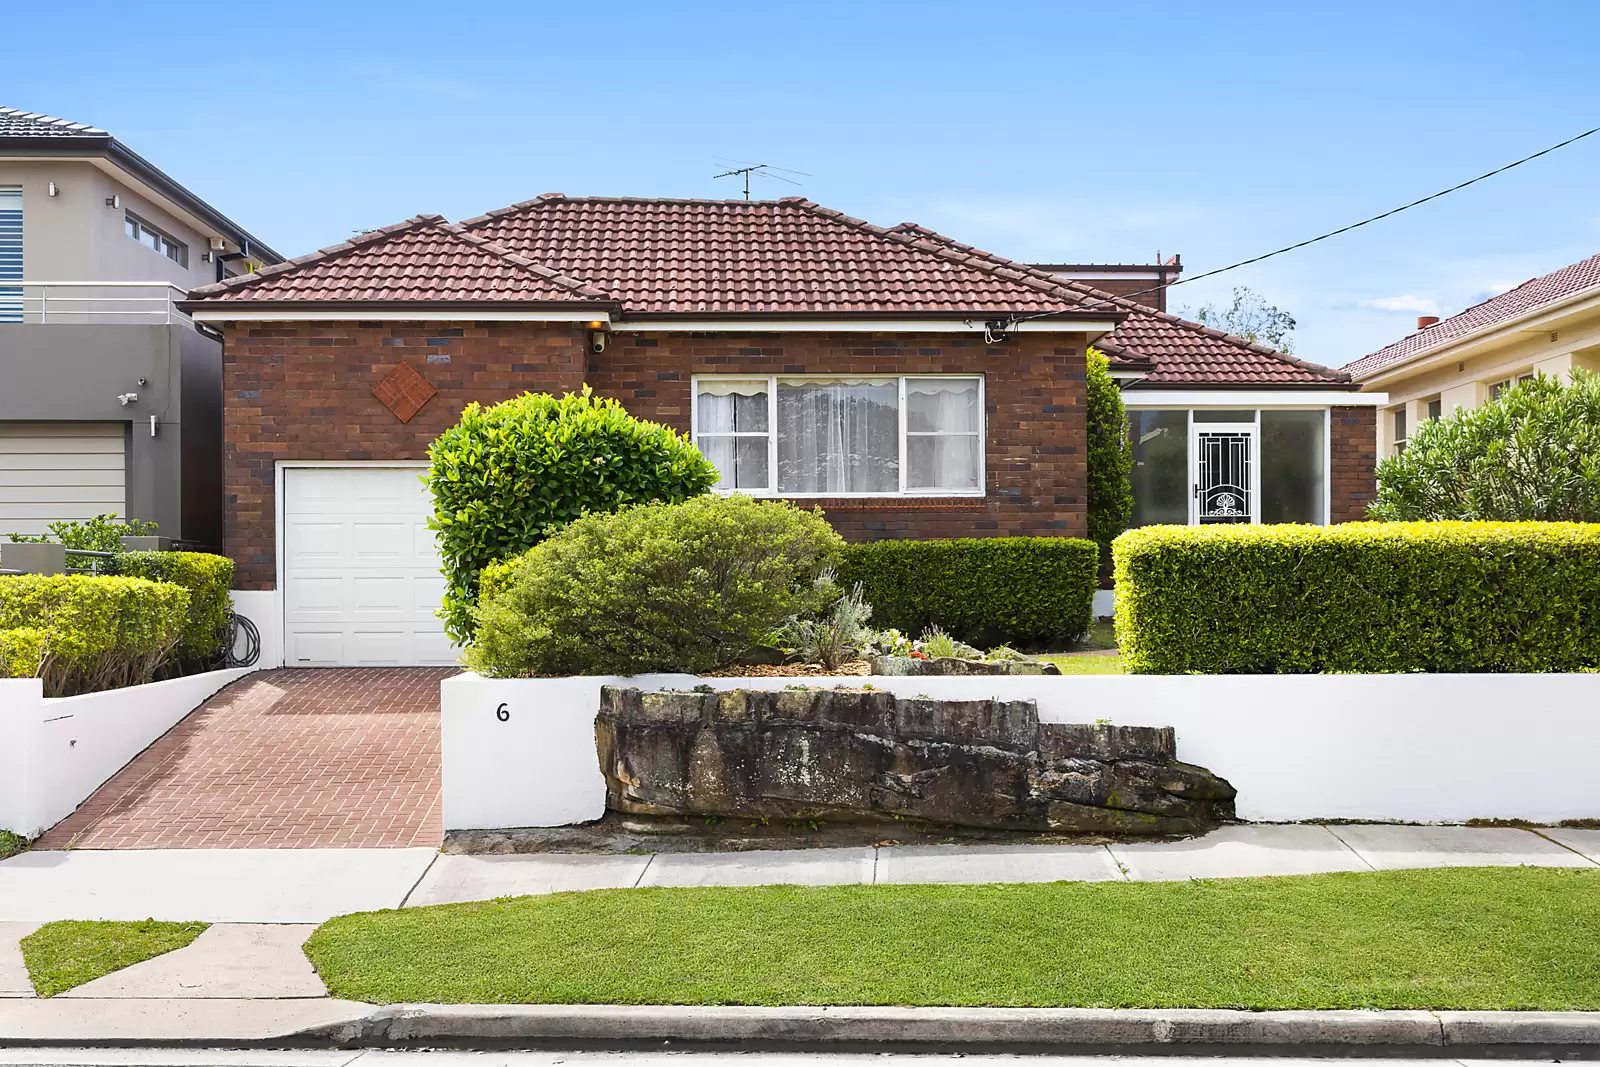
(1548, 325)
(910, 385)
(112, 398)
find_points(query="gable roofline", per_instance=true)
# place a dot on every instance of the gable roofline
(943, 248)
(1129, 306)
(66, 139)
(217, 292)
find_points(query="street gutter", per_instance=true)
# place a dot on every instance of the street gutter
(1078, 1031)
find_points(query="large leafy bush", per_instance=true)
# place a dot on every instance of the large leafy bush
(1110, 457)
(983, 590)
(659, 587)
(98, 632)
(103, 533)
(208, 578)
(506, 476)
(1533, 453)
(1359, 597)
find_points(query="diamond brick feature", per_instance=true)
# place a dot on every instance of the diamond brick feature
(404, 391)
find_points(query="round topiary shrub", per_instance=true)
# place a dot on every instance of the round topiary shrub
(506, 476)
(1531, 454)
(660, 587)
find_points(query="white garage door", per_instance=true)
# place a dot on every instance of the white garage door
(361, 578)
(58, 471)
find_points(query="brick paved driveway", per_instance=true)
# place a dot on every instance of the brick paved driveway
(340, 758)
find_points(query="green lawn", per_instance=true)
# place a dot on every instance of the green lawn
(61, 955)
(1087, 664)
(1491, 938)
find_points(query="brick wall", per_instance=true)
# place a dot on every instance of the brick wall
(304, 392)
(1353, 454)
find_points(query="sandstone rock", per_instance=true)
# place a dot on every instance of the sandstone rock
(909, 666)
(843, 755)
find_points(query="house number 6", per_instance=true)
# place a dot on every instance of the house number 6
(502, 713)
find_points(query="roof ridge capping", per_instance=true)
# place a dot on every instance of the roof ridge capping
(384, 233)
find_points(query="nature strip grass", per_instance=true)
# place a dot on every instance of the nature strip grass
(62, 955)
(1518, 938)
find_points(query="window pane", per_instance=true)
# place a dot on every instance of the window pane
(1160, 466)
(132, 227)
(1292, 460)
(942, 462)
(839, 435)
(934, 404)
(726, 407)
(1224, 416)
(1434, 408)
(742, 461)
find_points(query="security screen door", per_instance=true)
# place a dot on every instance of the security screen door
(1223, 467)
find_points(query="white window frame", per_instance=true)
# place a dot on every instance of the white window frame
(168, 244)
(772, 381)
(1141, 404)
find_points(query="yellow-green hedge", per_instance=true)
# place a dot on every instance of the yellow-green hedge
(21, 652)
(1359, 597)
(100, 632)
(208, 577)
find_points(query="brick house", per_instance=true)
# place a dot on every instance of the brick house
(910, 385)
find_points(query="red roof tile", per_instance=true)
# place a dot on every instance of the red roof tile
(760, 257)
(422, 260)
(1528, 297)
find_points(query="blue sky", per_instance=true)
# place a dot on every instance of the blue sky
(1055, 131)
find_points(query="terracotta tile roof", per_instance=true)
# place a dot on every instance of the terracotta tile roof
(1186, 354)
(1528, 297)
(15, 123)
(766, 257)
(1172, 351)
(422, 260)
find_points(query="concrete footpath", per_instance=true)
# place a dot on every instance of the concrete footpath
(313, 885)
(247, 981)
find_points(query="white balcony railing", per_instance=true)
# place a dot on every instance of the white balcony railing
(147, 303)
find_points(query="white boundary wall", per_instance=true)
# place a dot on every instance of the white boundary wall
(1385, 747)
(58, 751)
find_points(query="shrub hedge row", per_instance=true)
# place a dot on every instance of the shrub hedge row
(208, 578)
(1359, 597)
(985, 591)
(98, 632)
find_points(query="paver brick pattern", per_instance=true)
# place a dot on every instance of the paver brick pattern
(295, 758)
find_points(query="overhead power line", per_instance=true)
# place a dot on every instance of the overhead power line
(1340, 230)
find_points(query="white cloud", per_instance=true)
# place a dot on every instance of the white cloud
(1420, 305)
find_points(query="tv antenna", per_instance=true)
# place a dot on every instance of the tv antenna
(764, 170)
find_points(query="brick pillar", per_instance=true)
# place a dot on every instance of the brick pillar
(1353, 456)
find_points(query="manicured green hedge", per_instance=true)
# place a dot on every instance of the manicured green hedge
(99, 632)
(985, 591)
(1359, 597)
(1110, 457)
(21, 652)
(208, 578)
